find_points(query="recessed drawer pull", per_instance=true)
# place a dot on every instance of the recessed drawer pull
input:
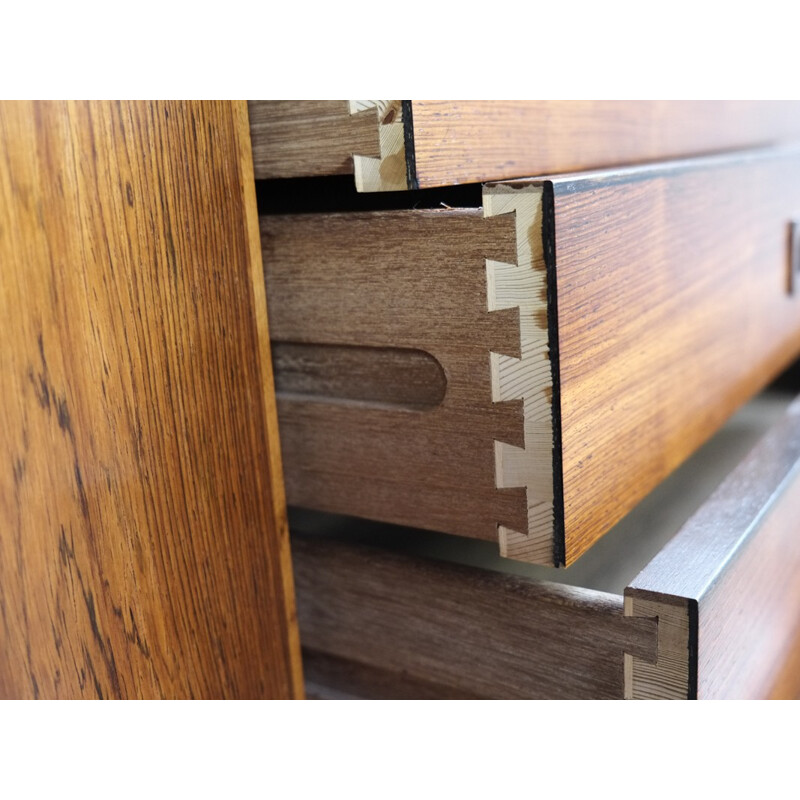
(381, 376)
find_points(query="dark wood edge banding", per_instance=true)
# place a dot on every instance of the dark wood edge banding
(408, 138)
(549, 247)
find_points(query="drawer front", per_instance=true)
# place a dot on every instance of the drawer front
(589, 334)
(726, 589)
(715, 614)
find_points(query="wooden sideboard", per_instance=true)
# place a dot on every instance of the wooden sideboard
(144, 542)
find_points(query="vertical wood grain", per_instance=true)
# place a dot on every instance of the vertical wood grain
(143, 541)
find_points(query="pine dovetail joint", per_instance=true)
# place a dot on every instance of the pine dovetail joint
(524, 286)
(669, 677)
(388, 172)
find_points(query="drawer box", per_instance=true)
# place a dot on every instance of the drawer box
(528, 371)
(410, 144)
(714, 614)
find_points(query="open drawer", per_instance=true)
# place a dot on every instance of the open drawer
(528, 370)
(713, 612)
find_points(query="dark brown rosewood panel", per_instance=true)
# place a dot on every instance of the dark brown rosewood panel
(729, 584)
(143, 542)
(378, 624)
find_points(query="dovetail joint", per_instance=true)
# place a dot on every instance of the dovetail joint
(388, 172)
(524, 286)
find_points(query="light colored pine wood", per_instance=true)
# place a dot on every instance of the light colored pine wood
(387, 172)
(667, 676)
(523, 286)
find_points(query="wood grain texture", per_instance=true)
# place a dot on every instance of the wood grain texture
(430, 629)
(736, 567)
(786, 685)
(389, 172)
(522, 286)
(143, 542)
(293, 138)
(630, 313)
(479, 140)
(450, 141)
(672, 310)
(411, 280)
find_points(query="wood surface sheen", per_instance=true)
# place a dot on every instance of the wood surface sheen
(672, 312)
(735, 569)
(375, 623)
(143, 542)
(479, 140)
(453, 141)
(618, 327)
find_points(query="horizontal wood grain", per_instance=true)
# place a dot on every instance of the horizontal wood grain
(374, 623)
(293, 138)
(143, 539)
(480, 140)
(408, 281)
(594, 330)
(451, 141)
(309, 137)
(731, 580)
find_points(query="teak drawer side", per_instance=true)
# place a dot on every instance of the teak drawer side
(411, 627)
(530, 372)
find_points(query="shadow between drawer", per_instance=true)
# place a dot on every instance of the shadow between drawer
(713, 615)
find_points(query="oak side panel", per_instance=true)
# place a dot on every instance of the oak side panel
(143, 540)
(413, 627)
(735, 566)
(478, 140)
(371, 287)
(673, 310)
